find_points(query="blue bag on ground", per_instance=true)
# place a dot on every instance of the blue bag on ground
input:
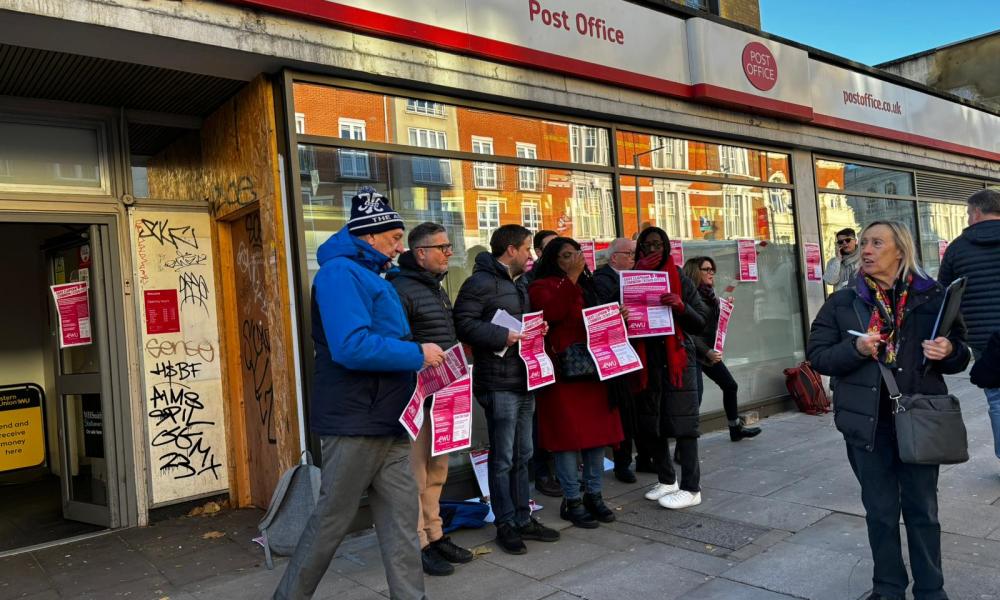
(455, 515)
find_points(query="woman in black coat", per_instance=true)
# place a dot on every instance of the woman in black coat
(896, 304)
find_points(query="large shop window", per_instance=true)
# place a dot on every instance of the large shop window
(708, 218)
(940, 223)
(574, 203)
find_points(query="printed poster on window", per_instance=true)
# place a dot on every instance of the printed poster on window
(725, 312)
(942, 247)
(607, 341)
(430, 380)
(532, 352)
(451, 418)
(814, 271)
(747, 254)
(73, 307)
(640, 294)
(589, 248)
(677, 252)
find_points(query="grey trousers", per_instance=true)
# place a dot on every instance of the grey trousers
(353, 465)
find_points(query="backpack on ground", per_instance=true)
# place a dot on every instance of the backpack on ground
(459, 514)
(806, 388)
(291, 506)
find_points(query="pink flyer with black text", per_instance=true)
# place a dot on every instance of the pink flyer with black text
(607, 341)
(640, 294)
(532, 352)
(451, 418)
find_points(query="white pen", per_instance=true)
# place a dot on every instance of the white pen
(857, 333)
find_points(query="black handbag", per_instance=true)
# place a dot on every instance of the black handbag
(929, 428)
(575, 364)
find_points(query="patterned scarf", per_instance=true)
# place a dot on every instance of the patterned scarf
(887, 319)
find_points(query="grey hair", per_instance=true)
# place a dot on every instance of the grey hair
(987, 201)
(617, 243)
(904, 242)
(422, 232)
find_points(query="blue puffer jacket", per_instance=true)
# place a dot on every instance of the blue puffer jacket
(365, 365)
(976, 254)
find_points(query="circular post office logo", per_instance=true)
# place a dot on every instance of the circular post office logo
(759, 66)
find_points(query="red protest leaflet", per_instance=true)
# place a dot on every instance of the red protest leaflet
(942, 247)
(589, 249)
(162, 314)
(73, 308)
(640, 294)
(748, 260)
(532, 352)
(429, 381)
(814, 272)
(607, 341)
(677, 252)
(451, 418)
(725, 311)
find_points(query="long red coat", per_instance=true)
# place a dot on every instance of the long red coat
(571, 415)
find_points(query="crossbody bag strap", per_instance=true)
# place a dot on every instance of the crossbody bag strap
(887, 376)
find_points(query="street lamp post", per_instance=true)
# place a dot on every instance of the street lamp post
(635, 165)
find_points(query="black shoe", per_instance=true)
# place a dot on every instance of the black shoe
(548, 486)
(594, 504)
(509, 539)
(877, 596)
(434, 563)
(574, 512)
(677, 456)
(450, 552)
(625, 475)
(644, 465)
(537, 532)
(738, 432)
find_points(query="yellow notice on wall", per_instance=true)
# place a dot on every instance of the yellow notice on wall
(22, 434)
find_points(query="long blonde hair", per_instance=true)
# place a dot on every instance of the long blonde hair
(904, 243)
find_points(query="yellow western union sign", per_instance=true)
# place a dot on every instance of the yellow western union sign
(22, 428)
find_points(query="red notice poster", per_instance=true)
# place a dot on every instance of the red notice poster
(677, 251)
(748, 259)
(814, 272)
(162, 313)
(73, 307)
(589, 254)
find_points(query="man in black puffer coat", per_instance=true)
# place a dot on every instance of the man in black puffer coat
(501, 382)
(428, 310)
(976, 254)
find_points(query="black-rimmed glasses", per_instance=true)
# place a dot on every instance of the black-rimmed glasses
(446, 248)
(844, 241)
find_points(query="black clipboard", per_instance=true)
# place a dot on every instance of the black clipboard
(949, 310)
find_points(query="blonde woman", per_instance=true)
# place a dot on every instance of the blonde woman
(895, 303)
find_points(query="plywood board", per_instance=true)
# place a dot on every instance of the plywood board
(182, 386)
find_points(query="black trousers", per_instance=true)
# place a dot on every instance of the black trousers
(720, 374)
(888, 487)
(687, 455)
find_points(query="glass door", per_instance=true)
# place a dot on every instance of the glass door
(77, 265)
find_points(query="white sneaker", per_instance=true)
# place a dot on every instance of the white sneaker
(680, 499)
(661, 489)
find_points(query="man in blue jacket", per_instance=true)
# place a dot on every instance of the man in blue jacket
(976, 254)
(365, 373)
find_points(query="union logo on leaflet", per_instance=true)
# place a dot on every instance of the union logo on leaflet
(759, 66)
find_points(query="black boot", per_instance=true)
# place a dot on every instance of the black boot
(509, 539)
(625, 475)
(548, 486)
(594, 504)
(739, 431)
(434, 563)
(450, 552)
(574, 512)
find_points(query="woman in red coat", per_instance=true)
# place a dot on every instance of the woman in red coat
(574, 417)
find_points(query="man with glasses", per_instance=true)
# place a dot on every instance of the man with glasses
(428, 310)
(842, 269)
(608, 285)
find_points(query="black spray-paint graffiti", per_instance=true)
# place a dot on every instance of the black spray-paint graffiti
(193, 290)
(185, 260)
(255, 348)
(179, 429)
(235, 194)
(162, 232)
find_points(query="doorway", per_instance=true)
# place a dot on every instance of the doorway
(60, 330)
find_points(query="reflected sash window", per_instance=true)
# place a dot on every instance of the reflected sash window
(588, 145)
(425, 107)
(353, 163)
(531, 216)
(488, 219)
(527, 177)
(484, 175)
(430, 170)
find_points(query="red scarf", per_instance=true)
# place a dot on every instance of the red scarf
(676, 355)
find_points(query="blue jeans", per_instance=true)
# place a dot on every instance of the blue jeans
(508, 423)
(993, 399)
(569, 475)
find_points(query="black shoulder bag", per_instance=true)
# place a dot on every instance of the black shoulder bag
(929, 428)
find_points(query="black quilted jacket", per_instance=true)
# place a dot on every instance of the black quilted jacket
(976, 254)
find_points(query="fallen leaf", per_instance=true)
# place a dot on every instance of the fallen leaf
(212, 535)
(196, 511)
(211, 508)
(481, 550)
